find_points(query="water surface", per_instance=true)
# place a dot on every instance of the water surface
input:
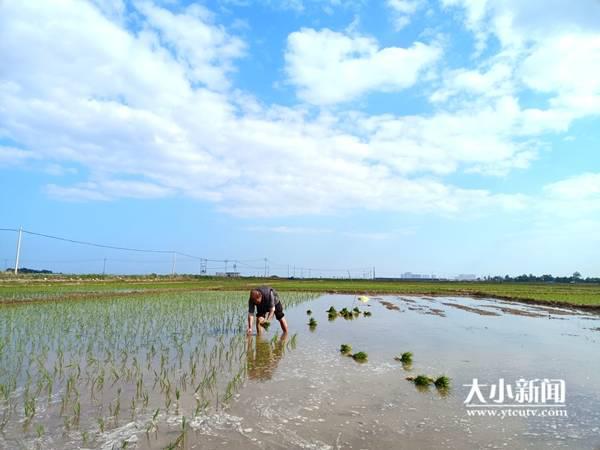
(188, 357)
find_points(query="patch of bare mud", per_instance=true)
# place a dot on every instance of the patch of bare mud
(389, 305)
(517, 312)
(481, 312)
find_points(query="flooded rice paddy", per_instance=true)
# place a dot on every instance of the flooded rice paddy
(178, 371)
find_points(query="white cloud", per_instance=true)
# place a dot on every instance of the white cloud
(553, 46)
(478, 139)
(128, 108)
(107, 190)
(80, 192)
(583, 187)
(516, 22)
(204, 49)
(330, 67)
(403, 10)
(493, 81)
(369, 236)
(113, 9)
(284, 229)
(550, 48)
(57, 170)
(565, 66)
(10, 156)
(300, 6)
(363, 235)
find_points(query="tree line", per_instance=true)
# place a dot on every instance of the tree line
(546, 278)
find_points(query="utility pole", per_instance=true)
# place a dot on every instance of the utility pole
(104, 268)
(373, 272)
(288, 271)
(266, 267)
(174, 262)
(226, 261)
(18, 250)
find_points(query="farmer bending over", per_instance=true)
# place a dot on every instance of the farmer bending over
(267, 304)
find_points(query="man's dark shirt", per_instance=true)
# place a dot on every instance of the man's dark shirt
(268, 302)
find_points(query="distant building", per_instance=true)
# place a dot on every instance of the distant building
(413, 276)
(228, 274)
(466, 277)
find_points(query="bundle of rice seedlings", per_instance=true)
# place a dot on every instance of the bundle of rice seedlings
(360, 357)
(442, 382)
(345, 348)
(406, 357)
(421, 380)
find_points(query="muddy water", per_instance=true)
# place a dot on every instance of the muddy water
(298, 392)
(313, 397)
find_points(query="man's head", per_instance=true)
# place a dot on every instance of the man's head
(255, 296)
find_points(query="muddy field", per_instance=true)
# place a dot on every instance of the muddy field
(177, 371)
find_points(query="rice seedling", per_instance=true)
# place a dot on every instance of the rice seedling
(345, 349)
(85, 357)
(29, 407)
(266, 324)
(312, 323)
(331, 310)
(101, 424)
(360, 357)
(76, 413)
(308, 312)
(367, 313)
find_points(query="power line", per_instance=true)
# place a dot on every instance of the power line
(249, 264)
(114, 247)
(93, 244)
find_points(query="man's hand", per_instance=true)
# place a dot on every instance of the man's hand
(261, 320)
(249, 331)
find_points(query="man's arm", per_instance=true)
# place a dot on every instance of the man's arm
(270, 314)
(271, 302)
(250, 321)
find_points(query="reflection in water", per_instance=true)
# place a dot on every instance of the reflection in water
(264, 356)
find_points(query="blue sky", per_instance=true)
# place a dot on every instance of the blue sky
(431, 136)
